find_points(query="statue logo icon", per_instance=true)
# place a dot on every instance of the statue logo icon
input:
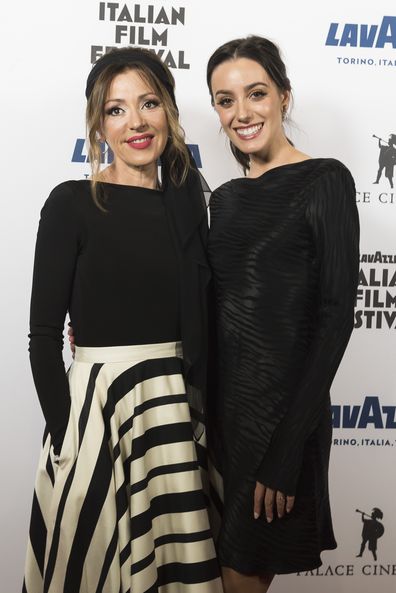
(386, 158)
(372, 530)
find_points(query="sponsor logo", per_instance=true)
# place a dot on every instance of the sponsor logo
(386, 158)
(376, 294)
(382, 172)
(372, 530)
(363, 36)
(143, 25)
(370, 415)
(350, 570)
(80, 153)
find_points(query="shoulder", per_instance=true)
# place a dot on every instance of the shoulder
(330, 191)
(66, 197)
(68, 191)
(325, 169)
(66, 203)
(329, 180)
(222, 192)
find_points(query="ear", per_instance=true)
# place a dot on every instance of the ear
(285, 98)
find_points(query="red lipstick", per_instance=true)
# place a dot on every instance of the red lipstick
(141, 141)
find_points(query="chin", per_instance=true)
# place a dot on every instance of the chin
(247, 149)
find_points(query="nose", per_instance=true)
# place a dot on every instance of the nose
(243, 113)
(136, 119)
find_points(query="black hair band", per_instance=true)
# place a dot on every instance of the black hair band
(129, 56)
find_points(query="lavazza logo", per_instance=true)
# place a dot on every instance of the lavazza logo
(357, 419)
(352, 41)
(80, 153)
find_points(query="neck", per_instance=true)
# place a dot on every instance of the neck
(281, 153)
(145, 176)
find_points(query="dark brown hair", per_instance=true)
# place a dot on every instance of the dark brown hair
(260, 50)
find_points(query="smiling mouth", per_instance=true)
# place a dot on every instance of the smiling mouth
(249, 132)
(140, 142)
(140, 139)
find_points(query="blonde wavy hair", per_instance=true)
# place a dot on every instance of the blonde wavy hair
(175, 158)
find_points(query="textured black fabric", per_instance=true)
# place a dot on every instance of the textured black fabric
(284, 254)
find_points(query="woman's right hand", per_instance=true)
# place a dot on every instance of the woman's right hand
(70, 333)
(270, 500)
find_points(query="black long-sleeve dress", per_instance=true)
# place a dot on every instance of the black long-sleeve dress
(284, 253)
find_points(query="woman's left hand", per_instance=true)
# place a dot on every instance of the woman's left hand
(271, 499)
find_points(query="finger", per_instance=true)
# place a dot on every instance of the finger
(269, 500)
(290, 503)
(259, 493)
(280, 504)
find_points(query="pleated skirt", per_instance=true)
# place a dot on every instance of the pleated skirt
(123, 509)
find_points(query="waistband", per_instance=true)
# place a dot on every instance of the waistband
(133, 354)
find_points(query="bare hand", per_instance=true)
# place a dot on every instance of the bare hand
(271, 499)
(70, 333)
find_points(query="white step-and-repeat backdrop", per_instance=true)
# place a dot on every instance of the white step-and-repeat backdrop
(341, 58)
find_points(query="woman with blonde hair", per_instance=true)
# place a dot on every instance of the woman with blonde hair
(119, 504)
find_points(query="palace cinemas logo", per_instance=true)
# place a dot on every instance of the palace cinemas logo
(372, 530)
(386, 159)
(368, 548)
(381, 171)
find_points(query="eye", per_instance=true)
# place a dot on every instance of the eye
(151, 104)
(115, 110)
(225, 102)
(257, 94)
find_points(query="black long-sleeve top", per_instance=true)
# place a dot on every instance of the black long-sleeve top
(115, 272)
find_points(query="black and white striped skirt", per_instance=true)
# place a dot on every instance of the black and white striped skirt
(123, 509)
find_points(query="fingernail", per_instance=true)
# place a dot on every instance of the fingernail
(256, 515)
(269, 519)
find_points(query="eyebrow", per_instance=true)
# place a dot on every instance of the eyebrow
(140, 97)
(247, 88)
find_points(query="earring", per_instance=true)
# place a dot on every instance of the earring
(284, 112)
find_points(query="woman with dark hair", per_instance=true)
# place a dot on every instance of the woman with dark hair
(119, 504)
(283, 247)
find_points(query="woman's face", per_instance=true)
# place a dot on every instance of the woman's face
(134, 124)
(249, 105)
